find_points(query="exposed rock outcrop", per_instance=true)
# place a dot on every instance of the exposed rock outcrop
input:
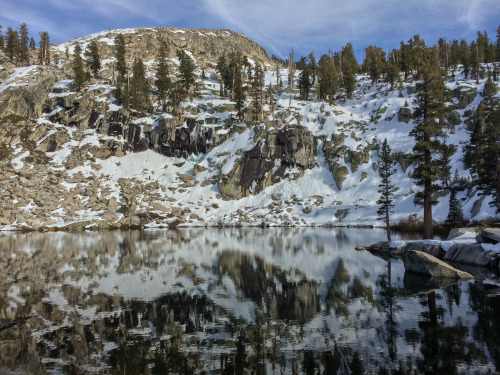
(273, 157)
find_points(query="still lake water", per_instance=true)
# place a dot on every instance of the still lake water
(236, 301)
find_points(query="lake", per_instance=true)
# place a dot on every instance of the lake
(234, 301)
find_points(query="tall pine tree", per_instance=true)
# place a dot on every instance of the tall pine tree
(23, 46)
(186, 70)
(80, 76)
(121, 67)
(328, 79)
(139, 90)
(163, 81)
(12, 43)
(386, 189)
(429, 136)
(44, 48)
(93, 58)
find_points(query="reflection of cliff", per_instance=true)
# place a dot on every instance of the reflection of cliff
(271, 288)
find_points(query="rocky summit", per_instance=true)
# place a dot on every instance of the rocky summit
(78, 159)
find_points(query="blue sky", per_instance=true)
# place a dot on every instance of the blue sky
(278, 25)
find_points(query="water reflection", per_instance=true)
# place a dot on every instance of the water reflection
(234, 301)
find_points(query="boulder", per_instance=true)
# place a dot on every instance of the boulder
(469, 254)
(427, 265)
(456, 232)
(489, 235)
(405, 115)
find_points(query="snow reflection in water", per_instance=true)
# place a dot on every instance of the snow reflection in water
(233, 301)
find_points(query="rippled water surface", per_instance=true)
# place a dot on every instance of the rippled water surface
(233, 301)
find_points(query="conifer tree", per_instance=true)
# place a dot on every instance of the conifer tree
(23, 46)
(305, 83)
(454, 54)
(163, 81)
(93, 59)
(80, 76)
(485, 142)
(44, 48)
(428, 132)
(186, 70)
(313, 68)
(1, 39)
(328, 79)
(239, 92)
(349, 68)
(121, 66)
(12, 43)
(405, 60)
(386, 189)
(139, 90)
(374, 63)
(257, 93)
(498, 44)
(455, 218)
(222, 69)
(465, 57)
(176, 96)
(391, 72)
(32, 44)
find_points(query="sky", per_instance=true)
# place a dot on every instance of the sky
(277, 25)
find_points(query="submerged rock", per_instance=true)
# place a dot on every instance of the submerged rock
(427, 265)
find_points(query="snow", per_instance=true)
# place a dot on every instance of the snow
(15, 77)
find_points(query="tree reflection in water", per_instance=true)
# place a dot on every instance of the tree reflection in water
(233, 302)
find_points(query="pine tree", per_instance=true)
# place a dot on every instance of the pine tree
(80, 76)
(374, 63)
(498, 44)
(239, 92)
(121, 67)
(349, 69)
(163, 81)
(428, 132)
(305, 83)
(177, 96)
(257, 93)
(93, 58)
(23, 46)
(44, 48)
(313, 68)
(328, 79)
(488, 144)
(139, 90)
(386, 189)
(222, 69)
(186, 70)
(12, 43)
(465, 57)
(1, 39)
(455, 218)
(391, 72)
(32, 44)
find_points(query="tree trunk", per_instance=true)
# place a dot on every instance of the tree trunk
(387, 226)
(428, 230)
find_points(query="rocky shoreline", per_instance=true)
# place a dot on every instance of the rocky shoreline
(476, 253)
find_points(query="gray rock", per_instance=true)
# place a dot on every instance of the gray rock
(405, 115)
(457, 232)
(476, 207)
(469, 254)
(427, 265)
(489, 235)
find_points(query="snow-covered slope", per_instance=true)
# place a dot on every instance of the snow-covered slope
(86, 162)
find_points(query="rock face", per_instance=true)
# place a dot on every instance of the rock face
(204, 44)
(274, 156)
(405, 115)
(27, 97)
(425, 264)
